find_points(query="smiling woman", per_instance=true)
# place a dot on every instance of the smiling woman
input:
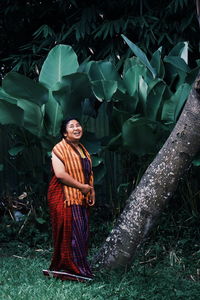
(70, 194)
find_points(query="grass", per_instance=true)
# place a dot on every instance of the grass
(154, 275)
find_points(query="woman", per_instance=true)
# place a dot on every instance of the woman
(70, 194)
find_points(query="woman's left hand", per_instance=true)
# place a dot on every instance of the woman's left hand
(91, 200)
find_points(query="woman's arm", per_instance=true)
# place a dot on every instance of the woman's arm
(65, 178)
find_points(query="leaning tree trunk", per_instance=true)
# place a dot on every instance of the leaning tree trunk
(155, 188)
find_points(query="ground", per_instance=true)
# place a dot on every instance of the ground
(156, 274)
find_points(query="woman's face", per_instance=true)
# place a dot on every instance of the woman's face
(74, 131)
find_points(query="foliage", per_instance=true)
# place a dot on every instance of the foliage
(142, 106)
(149, 98)
(38, 109)
(28, 29)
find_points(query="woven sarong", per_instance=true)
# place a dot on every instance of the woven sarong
(70, 234)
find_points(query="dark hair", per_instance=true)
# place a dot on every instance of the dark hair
(64, 124)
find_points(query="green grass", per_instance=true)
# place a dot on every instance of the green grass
(156, 274)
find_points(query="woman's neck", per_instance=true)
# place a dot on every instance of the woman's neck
(74, 143)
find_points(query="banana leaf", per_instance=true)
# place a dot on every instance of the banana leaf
(124, 102)
(21, 87)
(181, 50)
(91, 142)
(157, 63)
(105, 70)
(132, 62)
(117, 120)
(71, 92)
(11, 114)
(61, 61)
(154, 99)
(104, 89)
(142, 136)
(33, 117)
(177, 63)
(172, 107)
(53, 116)
(7, 97)
(142, 93)
(141, 55)
(16, 150)
(99, 173)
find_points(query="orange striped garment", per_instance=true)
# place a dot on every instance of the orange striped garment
(73, 166)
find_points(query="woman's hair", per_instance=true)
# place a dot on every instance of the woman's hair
(64, 124)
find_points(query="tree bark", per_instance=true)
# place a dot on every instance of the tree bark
(155, 188)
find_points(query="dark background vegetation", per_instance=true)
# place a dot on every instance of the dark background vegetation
(29, 29)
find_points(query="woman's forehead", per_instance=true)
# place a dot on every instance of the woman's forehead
(72, 122)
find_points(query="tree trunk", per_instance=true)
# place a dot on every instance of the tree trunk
(155, 188)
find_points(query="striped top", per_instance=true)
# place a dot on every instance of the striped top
(75, 167)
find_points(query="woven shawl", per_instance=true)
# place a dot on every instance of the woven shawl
(73, 166)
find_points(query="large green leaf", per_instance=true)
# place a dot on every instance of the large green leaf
(53, 116)
(140, 54)
(99, 173)
(191, 76)
(96, 160)
(172, 106)
(11, 113)
(16, 150)
(131, 62)
(154, 99)
(7, 97)
(131, 79)
(70, 93)
(125, 102)
(177, 63)
(90, 107)
(184, 93)
(21, 87)
(48, 142)
(61, 61)
(157, 63)
(33, 117)
(142, 136)
(91, 142)
(181, 50)
(115, 142)
(117, 120)
(105, 70)
(85, 66)
(142, 92)
(104, 89)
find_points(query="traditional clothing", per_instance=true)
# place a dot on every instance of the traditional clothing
(69, 216)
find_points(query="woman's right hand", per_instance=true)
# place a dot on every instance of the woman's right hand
(85, 189)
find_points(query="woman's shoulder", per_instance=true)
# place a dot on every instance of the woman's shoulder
(61, 146)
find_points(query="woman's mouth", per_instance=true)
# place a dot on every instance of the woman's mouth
(77, 133)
